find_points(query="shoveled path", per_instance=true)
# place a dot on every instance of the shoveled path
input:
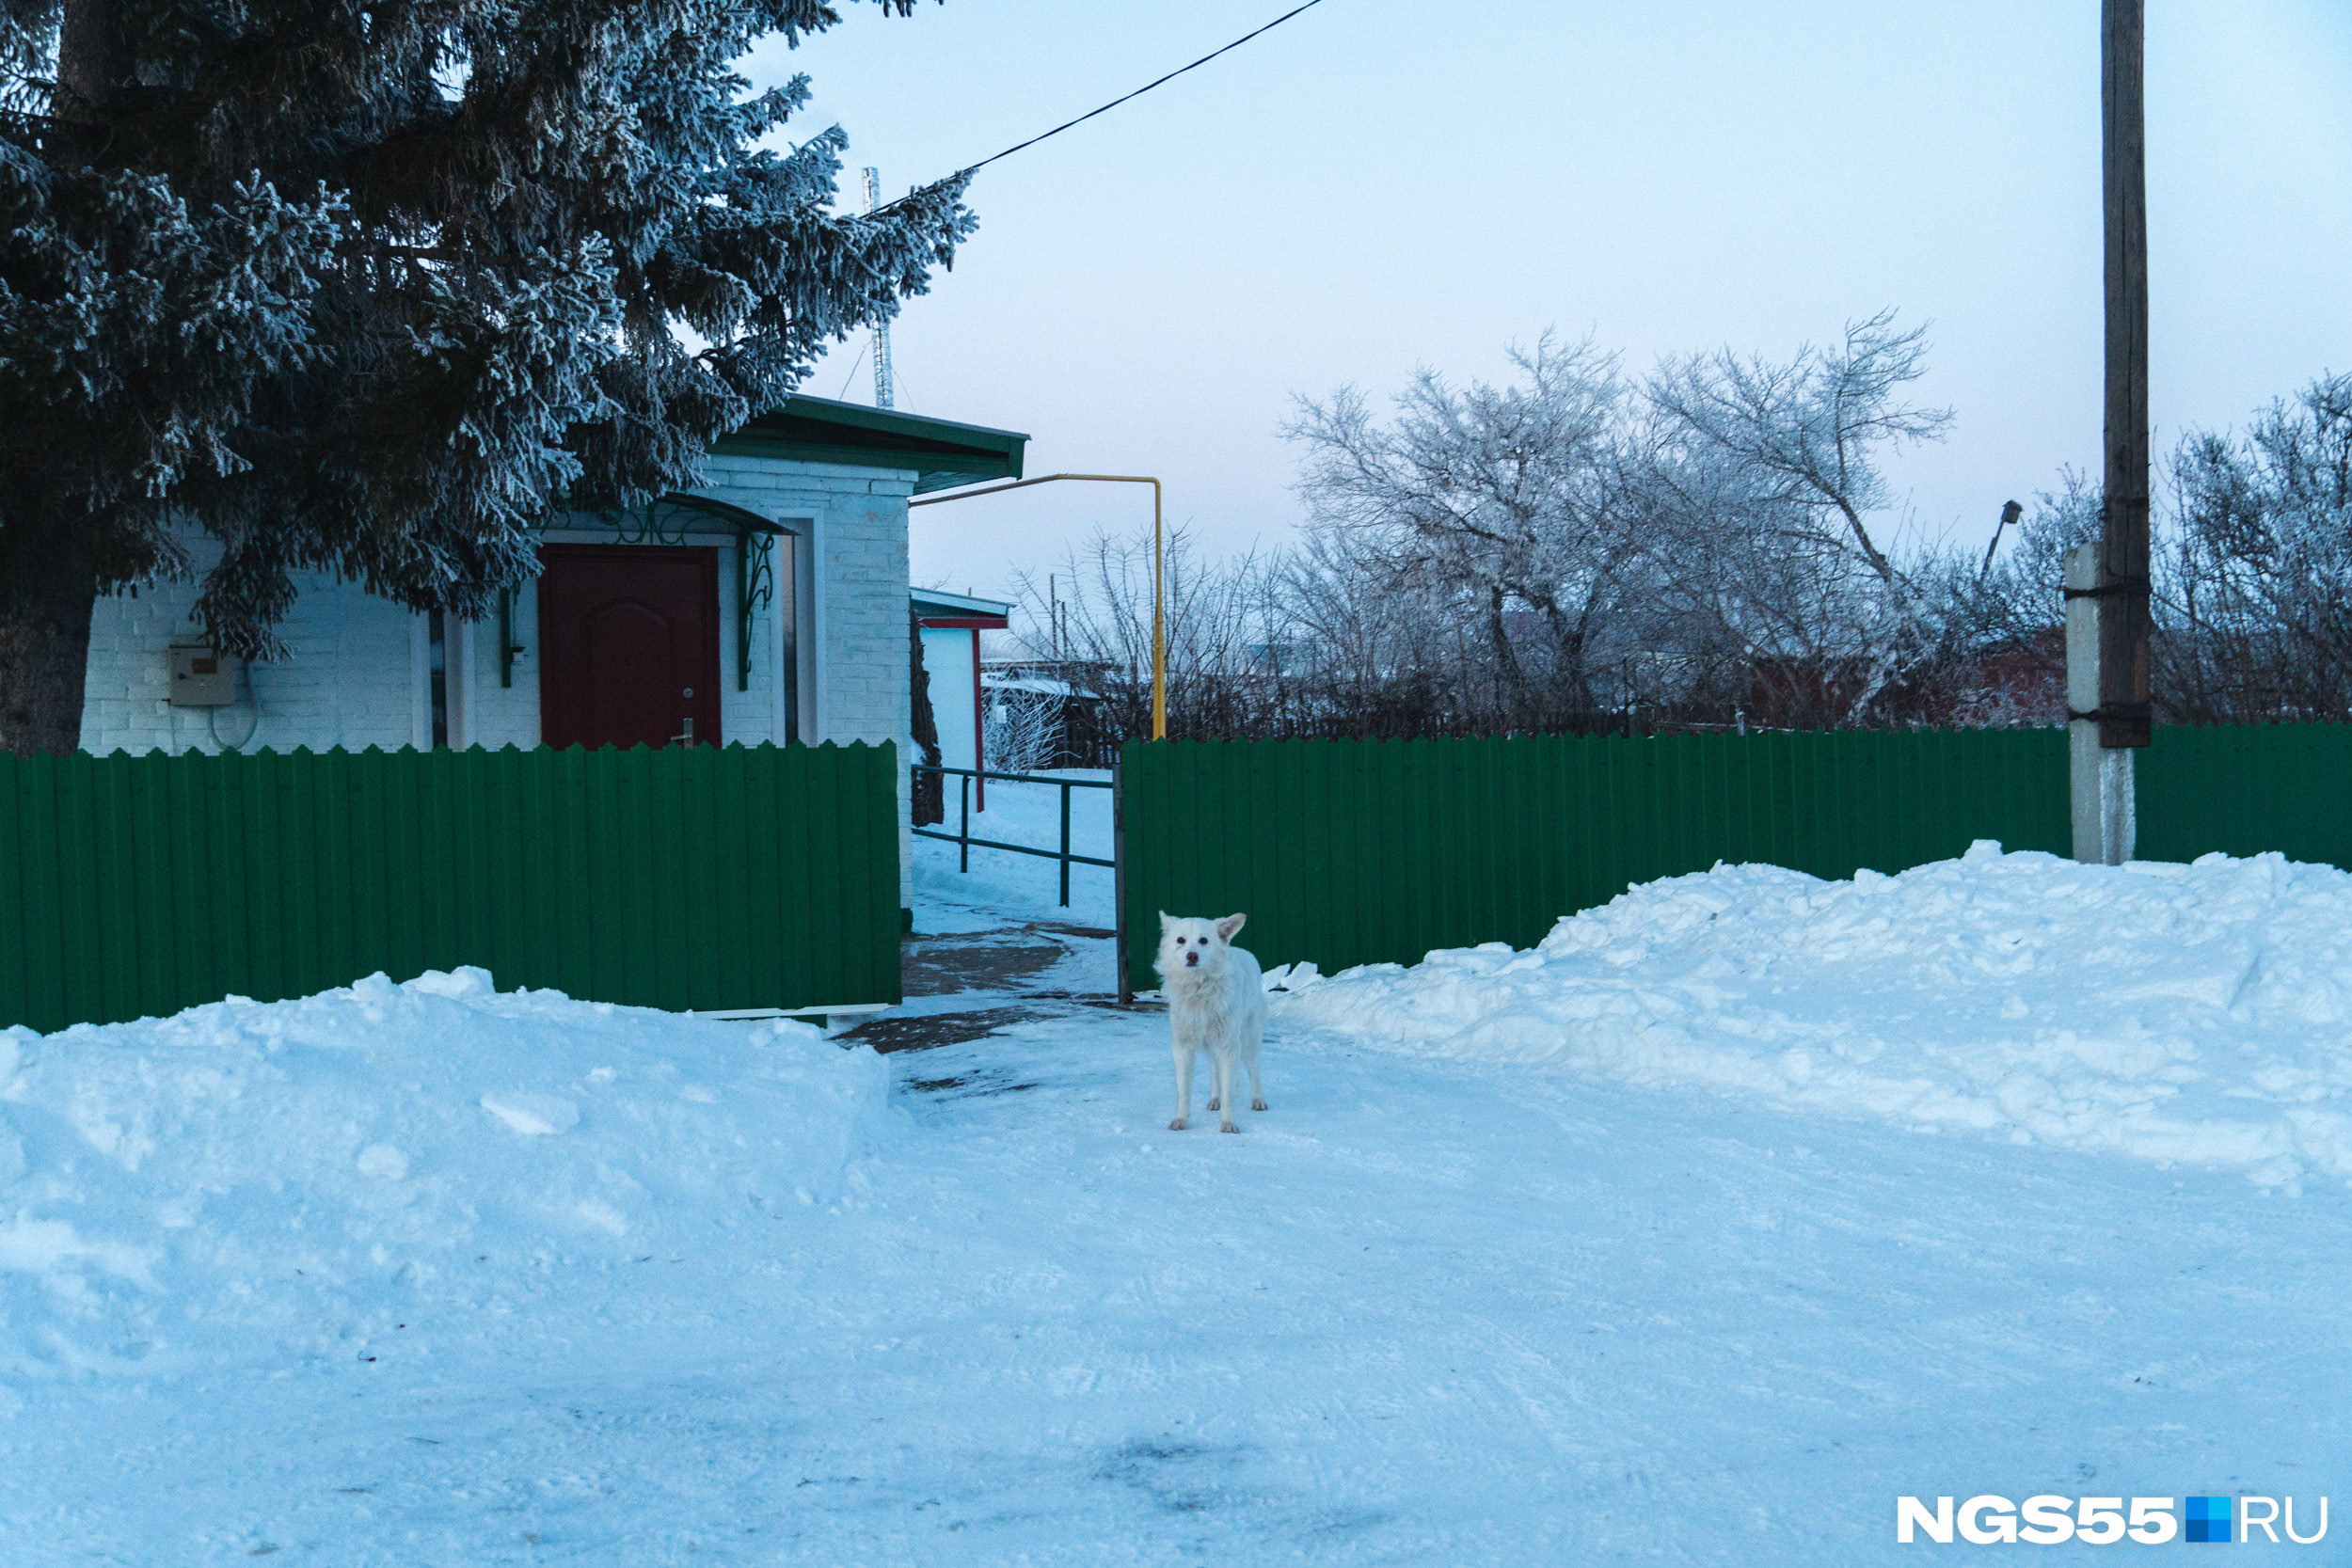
(963, 985)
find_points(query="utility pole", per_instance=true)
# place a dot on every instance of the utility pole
(2102, 737)
(883, 394)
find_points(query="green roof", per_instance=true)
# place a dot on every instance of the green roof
(939, 602)
(941, 452)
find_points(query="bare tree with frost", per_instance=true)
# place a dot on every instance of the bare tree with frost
(2252, 570)
(1021, 728)
(2254, 585)
(1769, 476)
(1497, 497)
(1231, 637)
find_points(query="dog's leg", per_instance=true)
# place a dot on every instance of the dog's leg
(1184, 1088)
(1224, 1091)
(1257, 1096)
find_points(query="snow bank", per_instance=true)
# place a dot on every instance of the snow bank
(2194, 1013)
(250, 1180)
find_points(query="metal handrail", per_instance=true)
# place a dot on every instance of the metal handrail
(963, 837)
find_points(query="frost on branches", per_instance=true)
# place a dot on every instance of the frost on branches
(380, 290)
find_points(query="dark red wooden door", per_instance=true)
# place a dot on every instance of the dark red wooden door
(628, 644)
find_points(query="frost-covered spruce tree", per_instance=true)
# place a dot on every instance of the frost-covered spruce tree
(378, 288)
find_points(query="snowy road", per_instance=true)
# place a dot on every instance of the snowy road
(1425, 1311)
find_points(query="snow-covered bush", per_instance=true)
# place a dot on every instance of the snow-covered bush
(1021, 729)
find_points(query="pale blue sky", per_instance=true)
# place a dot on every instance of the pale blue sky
(1376, 185)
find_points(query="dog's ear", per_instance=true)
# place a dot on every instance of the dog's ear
(1165, 921)
(1227, 926)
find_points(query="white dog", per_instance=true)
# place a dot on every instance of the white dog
(1217, 1003)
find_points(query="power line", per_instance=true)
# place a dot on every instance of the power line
(852, 375)
(1141, 90)
(853, 365)
(971, 168)
(880, 339)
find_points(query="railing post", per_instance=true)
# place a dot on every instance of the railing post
(967, 787)
(1118, 873)
(1065, 843)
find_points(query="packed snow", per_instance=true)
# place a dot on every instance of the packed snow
(435, 1273)
(2178, 1013)
(248, 1184)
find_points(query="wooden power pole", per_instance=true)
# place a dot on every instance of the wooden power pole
(2123, 690)
(2105, 736)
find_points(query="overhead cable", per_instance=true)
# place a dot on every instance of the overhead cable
(971, 168)
(1141, 90)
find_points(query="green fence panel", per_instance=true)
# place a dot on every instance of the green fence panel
(2246, 789)
(705, 879)
(1347, 852)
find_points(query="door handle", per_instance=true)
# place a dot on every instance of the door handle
(689, 737)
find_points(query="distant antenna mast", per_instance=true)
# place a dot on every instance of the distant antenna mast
(883, 396)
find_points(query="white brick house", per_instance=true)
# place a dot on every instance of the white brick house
(805, 506)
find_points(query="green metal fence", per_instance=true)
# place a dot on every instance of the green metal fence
(2244, 789)
(1350, 852)
(716, 879)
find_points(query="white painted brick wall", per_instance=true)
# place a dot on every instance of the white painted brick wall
(350, 679)
(347, 683)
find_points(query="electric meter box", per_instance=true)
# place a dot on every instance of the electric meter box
(201, 678)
